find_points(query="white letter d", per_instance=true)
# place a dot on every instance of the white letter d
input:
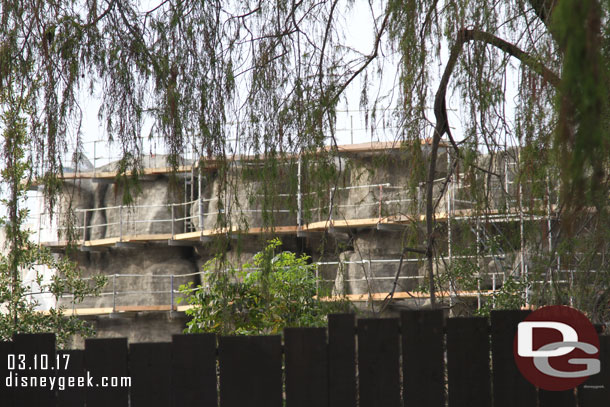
(525, 338)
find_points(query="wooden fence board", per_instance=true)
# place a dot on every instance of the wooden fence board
(36, 347)
(317, 374)
(510, 387)
(378, 362)
(305, 355)
(342, 360)
(423, 358)
(194, 370)
(250, 371)
(70, 363)
(6, 392)
(556, 398)
(596, 390)
(468, 362)
(106, 357)
(150, 371)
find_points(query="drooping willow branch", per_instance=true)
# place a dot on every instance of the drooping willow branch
(442, 124)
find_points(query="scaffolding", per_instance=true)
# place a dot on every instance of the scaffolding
(391, 207)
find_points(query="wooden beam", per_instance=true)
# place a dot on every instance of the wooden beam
(141, 308)
(401, 295)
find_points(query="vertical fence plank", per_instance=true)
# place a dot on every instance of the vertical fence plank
(194, 370)
(70, 363)
(468, 362)
(36, 348)
(510, 387)
(596, 390)
(150, 370)
(556, 398)
(250, 371)
(106, 357)
(423, 357)
(306, 367)
(378, 362)
(342, 360)
(6, 392)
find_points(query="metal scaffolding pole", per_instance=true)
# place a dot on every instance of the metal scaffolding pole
(507, 195)
(521, 236)
(84, 226)
(448, 199)
(200, 202)
(299, 192)
(548, 228)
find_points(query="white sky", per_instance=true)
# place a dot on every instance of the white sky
(359, 34)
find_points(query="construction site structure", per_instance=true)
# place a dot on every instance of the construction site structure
(356, 231)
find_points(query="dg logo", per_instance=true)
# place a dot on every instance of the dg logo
(556, 348)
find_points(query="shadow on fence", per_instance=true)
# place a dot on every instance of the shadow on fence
(418, 360)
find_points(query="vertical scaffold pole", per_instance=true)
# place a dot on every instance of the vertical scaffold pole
(317, 282)
(41, 208)
(171, 283)
(200, 203)
(521, 235)
(84, 226)
(380, 200)
(120, 223)
(548, 227)
(448, 199)
(330, 204)
(114, 293)
(506, 180)
(173, 221)
(299, 191)
(192, 182)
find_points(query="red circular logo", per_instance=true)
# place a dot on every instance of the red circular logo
(556, 348)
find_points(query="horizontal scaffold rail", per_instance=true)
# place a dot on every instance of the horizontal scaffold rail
(171, 287)
(119, 309)
(313, 227)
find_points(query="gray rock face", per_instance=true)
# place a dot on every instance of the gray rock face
(136, 327)
(142, 274)
(97, 226)
(151, 212)
(373, 264)
(375, 189)
(241, 204)
(75, 197)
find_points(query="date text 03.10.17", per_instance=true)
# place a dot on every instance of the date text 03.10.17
(42, 361)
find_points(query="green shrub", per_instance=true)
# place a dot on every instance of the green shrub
(275, 291)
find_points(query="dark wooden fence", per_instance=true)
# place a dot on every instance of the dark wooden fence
(418, 360)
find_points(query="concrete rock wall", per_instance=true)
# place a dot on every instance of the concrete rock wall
(142, 274)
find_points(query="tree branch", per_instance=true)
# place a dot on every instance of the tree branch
(442, 123)
(367, 61)
(101, 16)
(512, 50)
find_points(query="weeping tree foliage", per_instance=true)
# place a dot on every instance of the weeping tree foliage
(19, 301)
(273, 73)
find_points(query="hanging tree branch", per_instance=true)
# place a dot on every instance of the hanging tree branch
(442, 124)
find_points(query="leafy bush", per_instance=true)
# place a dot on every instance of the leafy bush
(275, 291)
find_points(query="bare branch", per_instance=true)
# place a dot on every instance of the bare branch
(442, 123)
